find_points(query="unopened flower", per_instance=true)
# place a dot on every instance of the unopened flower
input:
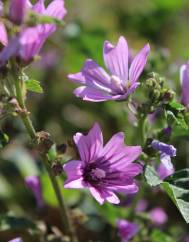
(184, 79)
(33, 182)
(98, 85)
(126, 230)
(104, 170)
(166, 167)
(17, 11)
(164, 148)
(158, 216)
(16, 240)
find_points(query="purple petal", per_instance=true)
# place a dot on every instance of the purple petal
(73, 169)
(77, 184)
(17, 11)
(89, 146)
(97, 195)
(92, 75)
(31, 41)
(184, 79)
(138, 64)
(10, 50)
(57, 10)
(33, 182)
(166, 167)
(116, 58)
(91, 94)
(126, 189)
(170, 150)
(3, 34)
(126, 229)
(39, 7)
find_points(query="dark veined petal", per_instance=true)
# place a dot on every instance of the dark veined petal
(90, 145)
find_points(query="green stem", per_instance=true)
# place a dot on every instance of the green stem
(66, 221)
(141, 129)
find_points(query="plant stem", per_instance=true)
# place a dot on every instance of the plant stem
(141, 129)
(66, 221)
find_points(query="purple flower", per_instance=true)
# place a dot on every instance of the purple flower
(16, 240)
(17, 11)
(126, 230)
(32, 38)
(33, 182)
(184, 79)
(158, 216)
(166, 167)
(164, 148)
(103, 170)
(3, 34)
(100, 86)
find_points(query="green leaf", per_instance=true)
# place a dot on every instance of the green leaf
(34, 86)
(176, 186)
(159, 236)
(10, 222)
(176, 106)
(151, 176)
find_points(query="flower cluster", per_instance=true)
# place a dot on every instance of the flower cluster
(29, 41)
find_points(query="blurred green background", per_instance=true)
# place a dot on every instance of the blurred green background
(162, 23)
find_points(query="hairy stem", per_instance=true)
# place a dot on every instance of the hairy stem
(66, 221)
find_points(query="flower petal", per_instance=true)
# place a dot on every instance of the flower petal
(3, 34)
(78, 183)
(73, 169)
(39, 7)
(91, 94)
(97, 195)
(89, 146)
(57, 10)
(116, 58)
(184, 79)
(138, 64)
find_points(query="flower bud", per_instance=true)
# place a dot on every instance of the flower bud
(34, 184)
(17, 11)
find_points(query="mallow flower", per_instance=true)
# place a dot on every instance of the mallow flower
(122, 80)
(126, 230)
(30, 40)
(104, 170)
(184, 79)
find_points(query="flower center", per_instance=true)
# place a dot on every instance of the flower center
(118, 85)
(97, 174)
(94, 174)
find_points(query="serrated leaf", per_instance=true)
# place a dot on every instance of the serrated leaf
(151, 176)
(34, 86)
(159, 236)
(176, 186)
